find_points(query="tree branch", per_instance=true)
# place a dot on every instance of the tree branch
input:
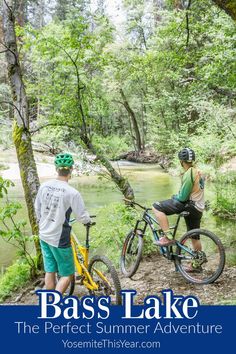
(187, 23)
(79, 88)
(8, 6)
(223, 91)
(70, 126)
(8, 49)
(228, 6)
(120, 102)
(20, 115)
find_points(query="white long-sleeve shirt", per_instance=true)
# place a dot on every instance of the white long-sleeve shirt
(54, 203)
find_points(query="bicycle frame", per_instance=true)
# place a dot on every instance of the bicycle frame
(151, 221)
(82, 266)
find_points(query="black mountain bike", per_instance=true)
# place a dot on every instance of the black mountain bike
(206, 264)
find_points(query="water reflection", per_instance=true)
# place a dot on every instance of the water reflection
(150, 183)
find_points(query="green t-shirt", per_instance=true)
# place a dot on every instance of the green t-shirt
(186, 186)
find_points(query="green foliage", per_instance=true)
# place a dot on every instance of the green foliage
(180, 85)
(13, 231)
(228, 302)
(112, 145)
(15, 276)
(185, 77)
(178, 81)
(226, 195)
(231, 258)
(55, 137)
(4, 185)
(113, 224)
(208, 147)
(67, 60)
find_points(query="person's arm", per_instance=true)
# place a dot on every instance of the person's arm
(37, 205)
(78, 208)
(186, 187)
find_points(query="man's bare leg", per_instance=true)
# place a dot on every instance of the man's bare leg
(63, 284)
(197, 246)
(50, 281)
(192, 268)
(164, 224)
(162, 219)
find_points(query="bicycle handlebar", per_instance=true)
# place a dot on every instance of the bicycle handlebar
(89, 224)
(133, 203)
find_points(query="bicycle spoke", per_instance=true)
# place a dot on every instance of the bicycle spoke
(131, 253)
(106, 279)
(205, 265)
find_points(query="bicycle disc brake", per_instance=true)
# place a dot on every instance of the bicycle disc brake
(200, 258)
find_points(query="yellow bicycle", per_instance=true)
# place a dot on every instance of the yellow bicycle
(98, 274)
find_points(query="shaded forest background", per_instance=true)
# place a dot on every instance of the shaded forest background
(160, 77)
(144, 77)
(164, 79)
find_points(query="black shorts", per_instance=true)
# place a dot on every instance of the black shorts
(173, 206)
(169, 206)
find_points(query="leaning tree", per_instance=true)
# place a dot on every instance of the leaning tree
(19, 102)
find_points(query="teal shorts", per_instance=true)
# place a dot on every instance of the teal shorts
(57, 260)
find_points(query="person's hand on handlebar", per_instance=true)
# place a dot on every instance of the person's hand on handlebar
(91, 223)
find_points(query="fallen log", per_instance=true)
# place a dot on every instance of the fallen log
(146, 156)
(45, 148)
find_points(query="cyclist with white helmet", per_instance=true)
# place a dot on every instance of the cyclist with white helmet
(190, 198)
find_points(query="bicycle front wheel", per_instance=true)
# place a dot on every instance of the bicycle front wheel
(201, 256)
(105, 276)
(131, 253)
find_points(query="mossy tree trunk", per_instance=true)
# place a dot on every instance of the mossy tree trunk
(121, 182)
(229, 6)
(134, 121)
(21, 134)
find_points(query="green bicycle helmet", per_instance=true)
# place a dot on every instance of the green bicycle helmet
(64, 160)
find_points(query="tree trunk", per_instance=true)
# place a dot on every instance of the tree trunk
(178, 5)
(20, 12)
(157, 6)
(21, 134)
(121, 182)
(229, 6)
(144, 123)
(134, 120)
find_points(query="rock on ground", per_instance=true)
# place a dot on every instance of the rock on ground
(155, 273)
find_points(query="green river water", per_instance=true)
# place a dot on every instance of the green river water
(150, 183)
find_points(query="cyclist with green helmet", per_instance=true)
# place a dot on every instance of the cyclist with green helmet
(54, 203)
(190, 198)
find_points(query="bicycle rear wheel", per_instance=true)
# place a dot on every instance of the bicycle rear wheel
(201, 266)
(71, 287)
(131, 253)
(105, 276)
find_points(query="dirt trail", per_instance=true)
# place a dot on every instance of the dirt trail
(155, 274)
